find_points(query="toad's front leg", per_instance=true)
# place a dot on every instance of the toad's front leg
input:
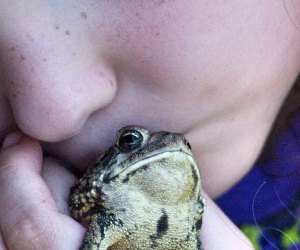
(104, 232)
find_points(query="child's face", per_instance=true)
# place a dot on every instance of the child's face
(76, 72)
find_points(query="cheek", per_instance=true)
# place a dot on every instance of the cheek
(148, 38)
(139, 34)
(153, 43)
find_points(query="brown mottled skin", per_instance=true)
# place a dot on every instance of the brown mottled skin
(142, 193)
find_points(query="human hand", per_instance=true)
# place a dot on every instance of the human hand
(33, 199)
(219, 232)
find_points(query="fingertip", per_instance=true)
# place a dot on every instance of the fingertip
(17, 138)
(18, 149)
(2, 243)
(12, 139)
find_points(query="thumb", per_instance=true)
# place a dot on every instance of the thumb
(29, 218)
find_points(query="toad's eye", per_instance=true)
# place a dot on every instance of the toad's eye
(130, 139)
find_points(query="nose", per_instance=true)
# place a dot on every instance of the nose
(54, 102)
(55, 78)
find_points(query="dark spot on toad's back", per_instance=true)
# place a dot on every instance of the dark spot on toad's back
(162, 224)
(106, 221)
(199, 224)
(195, 178)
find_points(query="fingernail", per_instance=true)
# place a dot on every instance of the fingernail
(12, 139)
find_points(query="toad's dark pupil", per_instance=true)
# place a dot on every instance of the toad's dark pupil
(130, 140)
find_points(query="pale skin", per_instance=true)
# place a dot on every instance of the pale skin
(73, 73)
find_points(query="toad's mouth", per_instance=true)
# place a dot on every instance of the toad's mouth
(124, 171)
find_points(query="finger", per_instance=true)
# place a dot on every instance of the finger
(2, 244)
(59, 180)
(218, 232)
(29, 218)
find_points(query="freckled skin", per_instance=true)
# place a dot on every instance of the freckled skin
(142, 193)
